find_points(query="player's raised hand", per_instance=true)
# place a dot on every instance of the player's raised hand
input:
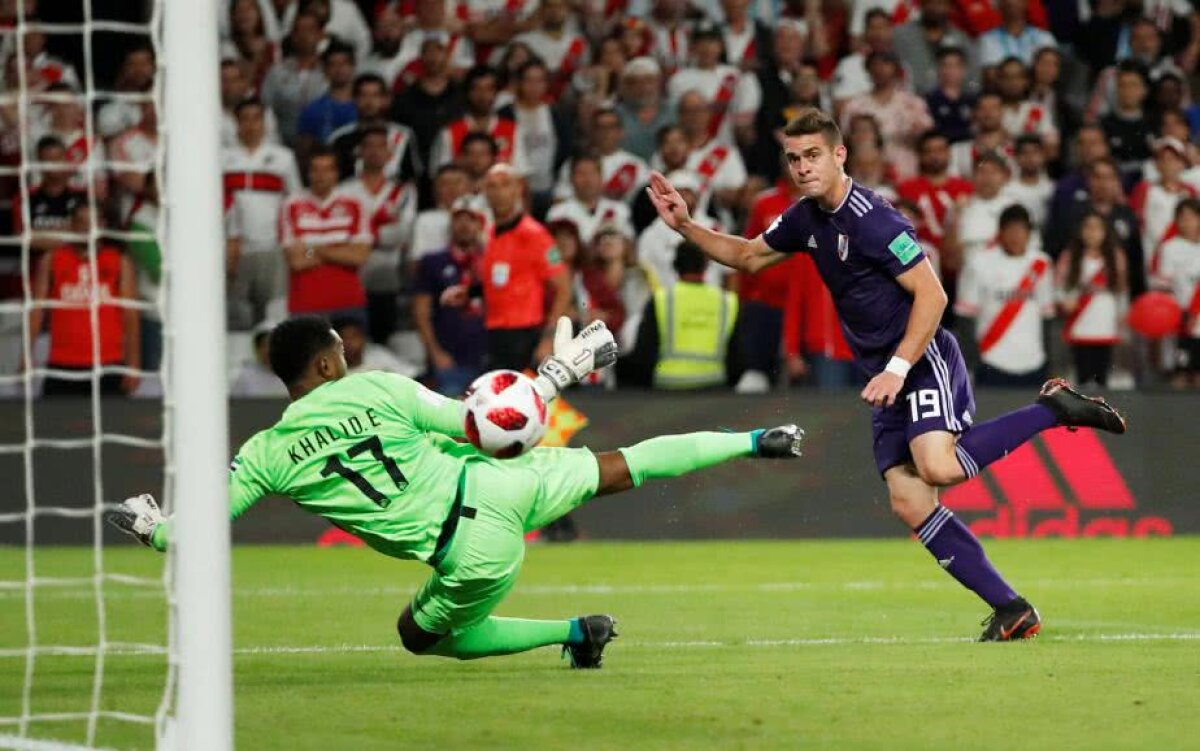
(882, 390)
(667, 201)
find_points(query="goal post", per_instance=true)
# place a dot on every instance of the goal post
(199, 409)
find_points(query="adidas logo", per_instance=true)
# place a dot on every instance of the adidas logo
(945, 562)
(812, 241)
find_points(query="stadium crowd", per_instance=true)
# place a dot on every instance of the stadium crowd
(442, 178)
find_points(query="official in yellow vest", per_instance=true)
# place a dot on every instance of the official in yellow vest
(686, 331)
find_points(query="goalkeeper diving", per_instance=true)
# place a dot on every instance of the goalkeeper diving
(376, 455)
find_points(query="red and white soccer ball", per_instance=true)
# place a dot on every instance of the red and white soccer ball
(505, 415)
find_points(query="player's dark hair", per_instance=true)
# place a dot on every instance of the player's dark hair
(530, 64)
(362, 79)
(1027, 139)
(931, 135)
(477, 137)
(1108, 249)
(811, 121)
(479, 72)
(1010, 60)
(950, 50)
(1135, 68)
(321, 151)
(46, 142)
(371, 130)
(294, 345)
(250, 101)
(449, 167)
(586, 156)
(664, 131)
(1090, 168)
(1190, 203)
(1015, 214)
(337, 48)
(877, 12)
(992, 156)
(689, 259)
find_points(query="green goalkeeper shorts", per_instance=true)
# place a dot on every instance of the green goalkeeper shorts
(510, 498)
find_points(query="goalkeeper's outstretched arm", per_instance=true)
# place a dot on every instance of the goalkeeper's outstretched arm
(141, 518)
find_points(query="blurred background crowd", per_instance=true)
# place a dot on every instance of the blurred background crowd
(443, 178)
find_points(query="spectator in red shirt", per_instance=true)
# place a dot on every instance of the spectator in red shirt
(326, 239)
(762, 297)
(64, 276)
(520, 262)
(934, 191)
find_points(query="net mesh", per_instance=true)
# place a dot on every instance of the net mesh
(72, 712)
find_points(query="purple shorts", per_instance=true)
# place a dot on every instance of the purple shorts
(936, 396)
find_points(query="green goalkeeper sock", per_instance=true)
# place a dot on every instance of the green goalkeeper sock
(502, 636)
(674, 455)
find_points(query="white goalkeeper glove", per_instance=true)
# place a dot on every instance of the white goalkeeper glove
(574, 358)
(137, 517)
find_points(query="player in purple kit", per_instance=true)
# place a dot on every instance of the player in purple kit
(891, 303)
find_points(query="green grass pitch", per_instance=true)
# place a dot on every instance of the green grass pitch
(755, 645)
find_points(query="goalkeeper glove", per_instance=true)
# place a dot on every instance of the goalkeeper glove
(594, 348)
(137, 517)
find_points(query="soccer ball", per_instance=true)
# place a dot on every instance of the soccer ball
(505, 415)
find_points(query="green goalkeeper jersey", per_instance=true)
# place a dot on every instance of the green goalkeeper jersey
(368, 452)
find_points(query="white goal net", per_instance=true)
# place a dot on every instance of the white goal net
(91, 650)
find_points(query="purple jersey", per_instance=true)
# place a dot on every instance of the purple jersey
(859, 248)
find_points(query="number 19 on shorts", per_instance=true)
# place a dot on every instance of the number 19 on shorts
(925, 404)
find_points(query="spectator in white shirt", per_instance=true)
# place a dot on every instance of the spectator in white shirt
(975, 225)
(431, 230)
(1031, 186)
(235, 88)
(733, 96)
(254, 377)
(1009, 292)
(364, 356)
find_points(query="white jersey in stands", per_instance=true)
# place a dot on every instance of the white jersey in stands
(1097, 314)
(256, 184)
(1034, 196)
(587, 221)
(407, 61)
(979, 219)
(1179, 266)
(229, 128)
(734, 96)
(566, 53)
(623, 174)
(741, 48)
(338, 218)
(431, 233)
(1029, 117)
(1154, 206)
(539, 144)
(1008, 296)
(656, 252)
(391, 211)
(404, 162)
(670, 45)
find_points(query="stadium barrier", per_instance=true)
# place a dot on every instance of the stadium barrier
(1062, 485)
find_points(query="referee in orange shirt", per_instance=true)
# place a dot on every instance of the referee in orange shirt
(520, 265)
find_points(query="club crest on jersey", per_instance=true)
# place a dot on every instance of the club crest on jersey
(843, 247)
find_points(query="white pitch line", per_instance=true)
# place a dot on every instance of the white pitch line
(535, 590)
(831, 641)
